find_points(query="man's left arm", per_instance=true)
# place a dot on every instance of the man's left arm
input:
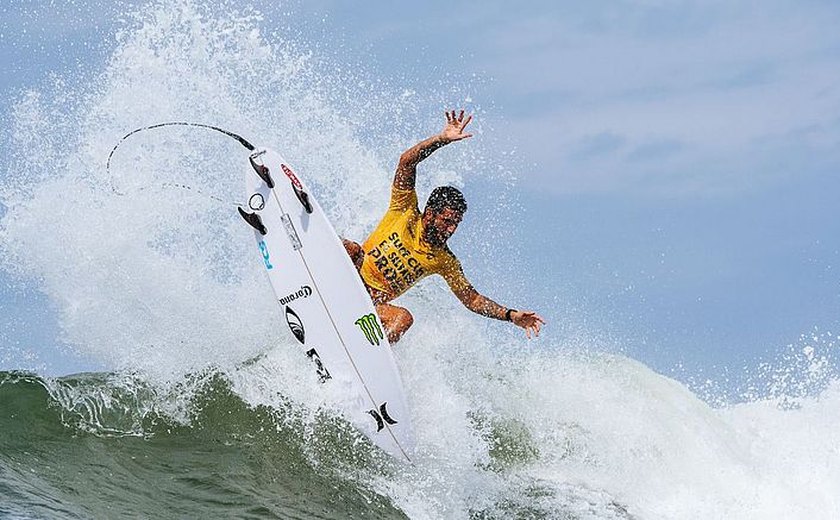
(480, 304)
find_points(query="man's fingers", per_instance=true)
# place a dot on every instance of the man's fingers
(448, 118)
(532, 323)
(465, 123)
(535, 316)
(461, 116)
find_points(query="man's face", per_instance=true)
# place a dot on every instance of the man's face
(439, 226)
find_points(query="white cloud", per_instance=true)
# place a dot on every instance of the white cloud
(736, 88)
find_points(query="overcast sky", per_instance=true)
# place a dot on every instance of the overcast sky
(677, 160)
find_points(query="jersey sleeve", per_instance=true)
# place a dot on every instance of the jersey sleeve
(403, 200)
(454, 275)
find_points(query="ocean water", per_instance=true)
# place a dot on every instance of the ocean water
(208, 409)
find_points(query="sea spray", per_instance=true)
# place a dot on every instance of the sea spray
(210, 408)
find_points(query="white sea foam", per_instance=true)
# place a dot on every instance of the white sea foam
(165, 281)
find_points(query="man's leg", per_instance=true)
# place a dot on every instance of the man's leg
(396, 320)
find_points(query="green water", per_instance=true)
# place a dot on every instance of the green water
(113, 458)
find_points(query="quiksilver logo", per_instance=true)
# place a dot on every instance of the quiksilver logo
(295, 325)
(304, 292)
(265, 255)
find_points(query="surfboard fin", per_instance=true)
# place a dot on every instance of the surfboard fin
(253, 220)
(262, 172)
(303, 197)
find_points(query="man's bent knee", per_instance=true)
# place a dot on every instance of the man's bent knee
(405, 318)
(396, 320)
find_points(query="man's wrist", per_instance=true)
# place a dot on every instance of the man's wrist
(508, 314)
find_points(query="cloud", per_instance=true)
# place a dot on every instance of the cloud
(737, 88)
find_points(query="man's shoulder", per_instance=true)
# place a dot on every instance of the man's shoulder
(449, 258)
(403, 199)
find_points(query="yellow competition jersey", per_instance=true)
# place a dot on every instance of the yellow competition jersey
(396, 257)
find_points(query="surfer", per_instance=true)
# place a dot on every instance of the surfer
(408, 245)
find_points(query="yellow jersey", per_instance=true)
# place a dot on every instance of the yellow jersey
(397, 257)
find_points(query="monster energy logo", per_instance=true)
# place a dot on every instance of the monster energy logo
(370, 327)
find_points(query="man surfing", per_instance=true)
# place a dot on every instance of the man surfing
(408, 245)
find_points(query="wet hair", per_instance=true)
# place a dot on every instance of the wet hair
(446, 197)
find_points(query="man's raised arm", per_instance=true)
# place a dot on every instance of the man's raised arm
(453, 131)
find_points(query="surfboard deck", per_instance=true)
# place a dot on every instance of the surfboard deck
(324, 303)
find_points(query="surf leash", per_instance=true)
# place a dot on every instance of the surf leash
(241, 140)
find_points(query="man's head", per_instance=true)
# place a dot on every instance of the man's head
(444, 210)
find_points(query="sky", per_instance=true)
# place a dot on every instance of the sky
(677, 160)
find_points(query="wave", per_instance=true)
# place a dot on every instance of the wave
(100, 445)
(162, 286)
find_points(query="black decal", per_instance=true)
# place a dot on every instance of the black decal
(295, 325)
(379, 423)
(385, 415)
(381, 417)
(256, 202)
(323, 373)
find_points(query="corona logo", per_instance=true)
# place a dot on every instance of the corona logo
(369, 325)
(304, 292)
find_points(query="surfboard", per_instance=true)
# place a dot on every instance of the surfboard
(323, 301)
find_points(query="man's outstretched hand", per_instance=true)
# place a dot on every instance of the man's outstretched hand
(530, 321)
(454, 129)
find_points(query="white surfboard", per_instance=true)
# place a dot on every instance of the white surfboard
(328, 310)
